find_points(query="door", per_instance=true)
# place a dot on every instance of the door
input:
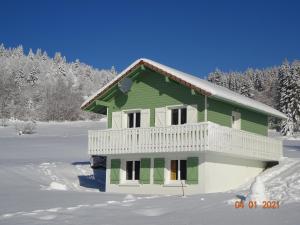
(174, 169)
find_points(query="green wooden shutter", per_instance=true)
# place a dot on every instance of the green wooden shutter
(192, 170)
(159, 166)
(145, 171)
(115, 171)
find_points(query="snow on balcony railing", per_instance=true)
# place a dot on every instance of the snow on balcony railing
(204, 136)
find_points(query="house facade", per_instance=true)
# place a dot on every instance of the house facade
(169, 132)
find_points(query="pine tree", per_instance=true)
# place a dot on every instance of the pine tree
(258, 82)
(234, 83)
(289, 96)
(113, 71)
(215, 77)
(39, 53)
(58, 58)
(246, 87)
(2, 50)
(31, 54)
(44, 56)
(18, 52)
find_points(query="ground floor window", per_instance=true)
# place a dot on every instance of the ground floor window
(133, 170)
(178, 170)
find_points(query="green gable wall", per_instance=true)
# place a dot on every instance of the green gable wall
(220, 112)
(152, 90)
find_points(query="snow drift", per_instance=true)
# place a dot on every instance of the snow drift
(279, 183)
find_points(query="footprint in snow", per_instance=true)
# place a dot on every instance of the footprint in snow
(151, 212)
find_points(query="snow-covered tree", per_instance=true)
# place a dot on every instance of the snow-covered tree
(234, 82)
(2, 50)
(289, 96)
(31, 84)
(215, 77)
(287, 126)
(113, 71)
(246, 88)
(31, 54)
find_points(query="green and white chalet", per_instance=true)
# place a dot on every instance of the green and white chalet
(168, 131)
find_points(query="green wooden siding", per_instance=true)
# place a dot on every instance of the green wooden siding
(254, 122)
(152, 90)
(145, 171)
(115, 171)
(159, 166)
(192, 170)
(220, 112)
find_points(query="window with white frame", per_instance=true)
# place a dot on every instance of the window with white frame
(133, 170)
(133, 119)
(178, 116)
(236, 120)
(178, 170)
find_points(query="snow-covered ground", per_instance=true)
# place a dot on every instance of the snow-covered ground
(45, 178)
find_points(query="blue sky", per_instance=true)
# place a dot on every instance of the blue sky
(194, 36)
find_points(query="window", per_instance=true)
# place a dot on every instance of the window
(133, 170)
(178, 116)
(134, 119)
(182, 169)
(137, 166)
(178, 170)
(236, 120)
(129, 170)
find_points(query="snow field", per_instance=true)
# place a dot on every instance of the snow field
(52, 213)
(46, 179)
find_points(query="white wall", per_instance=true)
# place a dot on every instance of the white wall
(223, 173)
(216, 173)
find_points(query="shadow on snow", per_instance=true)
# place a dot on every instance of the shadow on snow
(95, 180)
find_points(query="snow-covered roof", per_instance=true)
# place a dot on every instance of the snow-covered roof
(204, 86)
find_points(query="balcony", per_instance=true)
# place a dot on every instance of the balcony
(197, 137)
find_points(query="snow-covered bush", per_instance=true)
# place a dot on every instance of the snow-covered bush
(4, 122)
(25, 127)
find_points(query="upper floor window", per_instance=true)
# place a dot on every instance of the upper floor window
(134, 119)
(178, 116)
(236, 120)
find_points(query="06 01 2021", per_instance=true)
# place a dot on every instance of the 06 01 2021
(253, 204)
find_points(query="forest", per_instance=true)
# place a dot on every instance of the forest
(36, 87)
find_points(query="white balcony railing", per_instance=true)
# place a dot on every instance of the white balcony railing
(204, 136)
